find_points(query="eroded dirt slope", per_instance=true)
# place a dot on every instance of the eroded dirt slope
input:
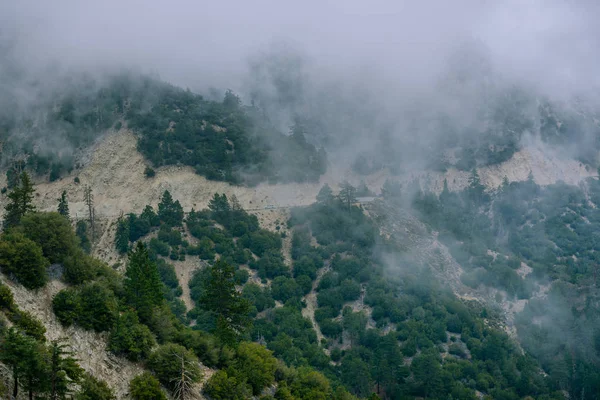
(90, 347)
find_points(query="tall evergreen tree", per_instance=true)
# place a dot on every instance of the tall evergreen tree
(88, 197)
(221, 297)
(63, 205)
(25, 357)
(325, 195)
(170, 212)
(36, 363)
(20, 201)
(81, 230)
(391, 190)
(122, 236)
(347, 194)
(220, 207)
(64, 370)
(143, 287)
(150, 216)
(476, 190)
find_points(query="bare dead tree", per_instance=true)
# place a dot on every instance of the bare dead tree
(187, 376)
(88, 197)
(235, 203)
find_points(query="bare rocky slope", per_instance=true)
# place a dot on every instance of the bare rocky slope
(115, 171)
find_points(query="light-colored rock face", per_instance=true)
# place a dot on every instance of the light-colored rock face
(89, 347)
(547, 168)
(115, 173)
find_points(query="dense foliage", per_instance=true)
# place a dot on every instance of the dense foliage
(222, 140)
(536, 243)
(394, 335)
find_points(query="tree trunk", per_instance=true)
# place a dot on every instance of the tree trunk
(16, 384)
(53, 392)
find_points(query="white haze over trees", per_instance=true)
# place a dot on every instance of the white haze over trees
(365, 85)
(396, 44)
(362, 75)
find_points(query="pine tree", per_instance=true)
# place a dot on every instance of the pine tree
(347, 194)
(63, 205)
(222, 298)
(149, 215)
(476, 190)
(391, 190)
(81, 229)
(36, 365)
(25, 357)
(122, 236)
(221, 209)
(20, 201)
(170, 212)
(88, 197)
(143, 288)
(445, 195)
(325, 195)
(64, 369)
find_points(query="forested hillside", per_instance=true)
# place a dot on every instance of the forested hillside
(333, 324)
(538, 244)
(299, 200)
(222, 140)
(369, 331)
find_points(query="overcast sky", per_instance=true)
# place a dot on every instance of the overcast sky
(208, 43)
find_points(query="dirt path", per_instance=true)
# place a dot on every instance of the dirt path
(311, 302)
(185, 272)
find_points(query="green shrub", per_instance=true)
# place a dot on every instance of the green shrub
(241, 276)
(94, 389)
(149, 172)
(146, 387)
(456, 350)
(166, 363)
(159, 247)
(7, 301)
(23, 259)
(80, 268)
(221, 386)
(81, 231)
(167, 273)
(67, 306)
(98, 307)
(29, 324)
(130, 339)
(284, 288)
(52, 232)
(256, 365)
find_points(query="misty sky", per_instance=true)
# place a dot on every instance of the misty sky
(202, 44)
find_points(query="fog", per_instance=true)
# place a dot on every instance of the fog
(396, 44)
(395, 82)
